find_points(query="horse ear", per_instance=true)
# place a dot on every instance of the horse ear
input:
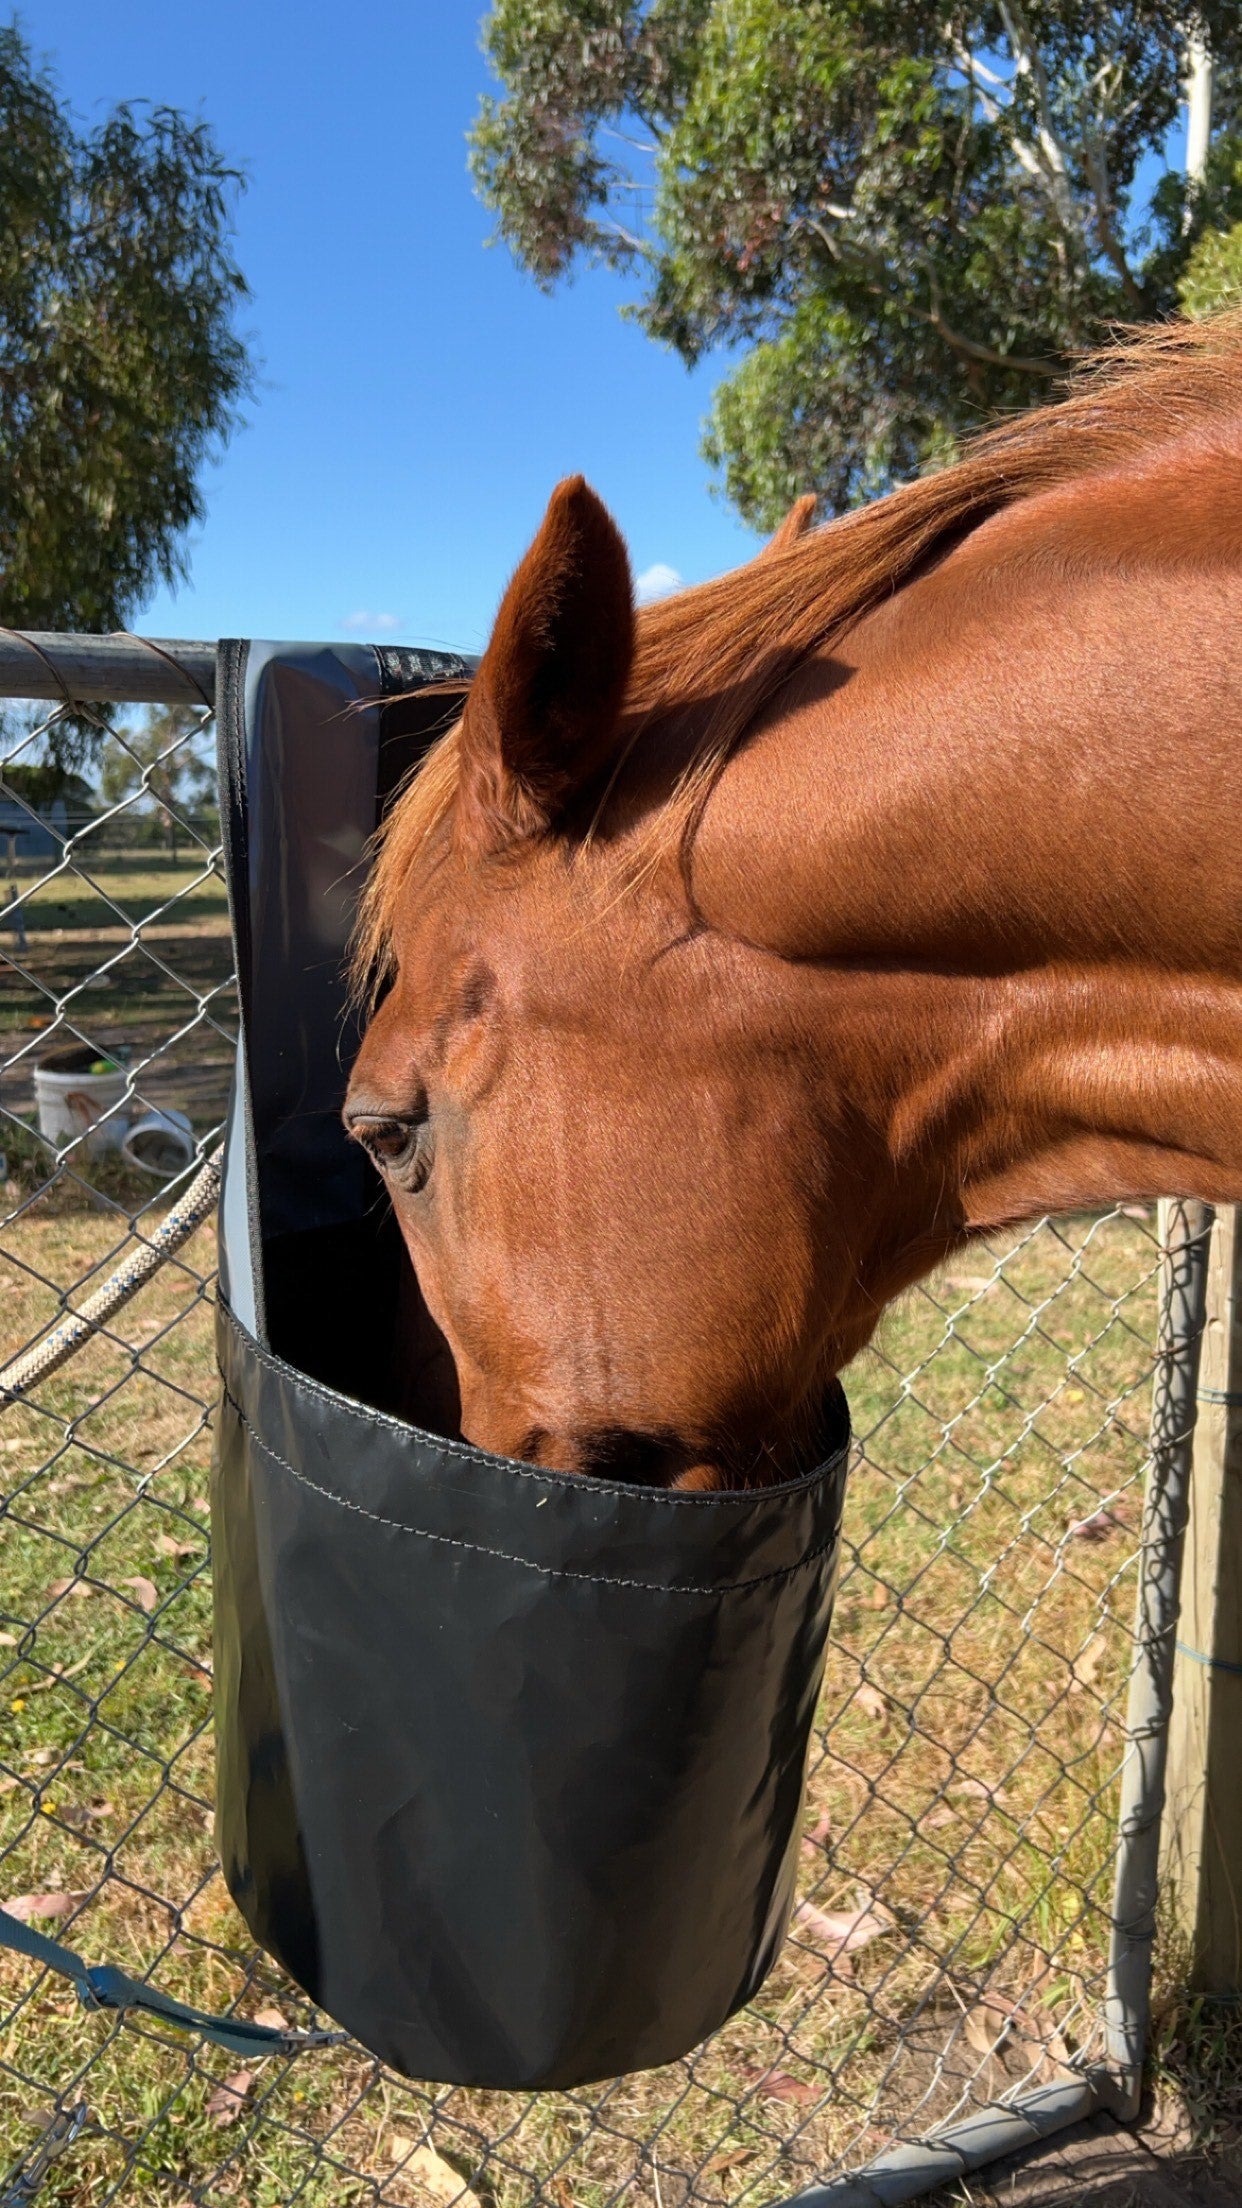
(796, 523)
(541, 718)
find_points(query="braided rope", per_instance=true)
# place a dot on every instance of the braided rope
(187, 1215)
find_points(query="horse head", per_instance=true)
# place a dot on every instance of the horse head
(746, 956)
(602, 1133)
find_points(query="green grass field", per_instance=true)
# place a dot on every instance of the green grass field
(961, 1804)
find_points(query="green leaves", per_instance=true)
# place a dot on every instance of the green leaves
(161, 758)
(1211, 278)
(915, 215)
(815, 405)
(120, 367)
(1213, 275)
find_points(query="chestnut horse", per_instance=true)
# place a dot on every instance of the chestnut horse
(740, 960)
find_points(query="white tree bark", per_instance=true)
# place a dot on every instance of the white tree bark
(1198, 82)
(1047, 164)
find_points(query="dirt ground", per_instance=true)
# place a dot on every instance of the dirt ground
(1102, 2164)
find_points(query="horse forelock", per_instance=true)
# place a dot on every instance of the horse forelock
(710, 658)
(421, 808)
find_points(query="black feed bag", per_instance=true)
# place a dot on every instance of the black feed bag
(510, 1763)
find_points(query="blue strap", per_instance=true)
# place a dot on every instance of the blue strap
(103, 1986)
(1214, 1663)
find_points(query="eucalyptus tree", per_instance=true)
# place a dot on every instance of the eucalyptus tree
(122, 370)
(905, 216)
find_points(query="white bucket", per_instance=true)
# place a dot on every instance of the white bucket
(71, 1100)
(160, 1143)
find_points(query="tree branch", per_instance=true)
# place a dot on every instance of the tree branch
(609, 130)
(1049, 165)
(1198, 103)
(1034, 161)
(968, 348)
(626, 237)
(986, 355)
(973, 71)
(971, 67)
(1096, 163)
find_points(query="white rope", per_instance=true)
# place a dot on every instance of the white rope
(133, 1273)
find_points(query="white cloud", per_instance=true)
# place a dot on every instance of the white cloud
(372, 624)
(656, 581)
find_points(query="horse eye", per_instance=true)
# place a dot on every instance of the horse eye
(400, 1148)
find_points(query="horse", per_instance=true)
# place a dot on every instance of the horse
(735, 962)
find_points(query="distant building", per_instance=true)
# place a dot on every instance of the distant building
(41, 827)
(39, 835)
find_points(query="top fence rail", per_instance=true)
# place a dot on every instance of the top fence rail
(119, 669)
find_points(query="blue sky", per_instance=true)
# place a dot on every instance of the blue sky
(419, 397)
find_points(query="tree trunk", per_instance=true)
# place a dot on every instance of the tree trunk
(1198, 82)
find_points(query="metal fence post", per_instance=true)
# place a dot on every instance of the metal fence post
(1202, 1862)
(1185, 1236)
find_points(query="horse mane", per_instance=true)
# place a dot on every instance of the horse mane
(712, 657)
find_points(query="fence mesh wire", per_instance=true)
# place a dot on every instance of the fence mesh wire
(950, 1943)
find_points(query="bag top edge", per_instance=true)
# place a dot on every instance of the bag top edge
(722, 1501)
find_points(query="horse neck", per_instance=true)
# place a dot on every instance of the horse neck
(1007, 811)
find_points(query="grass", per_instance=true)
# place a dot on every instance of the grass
(101, 889)
(963, 1782)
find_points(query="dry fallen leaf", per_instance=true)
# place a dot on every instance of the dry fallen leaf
(57, 1673)
(870, 1700)
(844, 1931)
(271, 2019)
(75, 1587)
(228, 2101)
(777, 2085)
(146, 1593)
(728, 2161)
(986, 2028)
(1086, 1665)
(820, 1833)
(26, 1907)
(1055, 2047)
(168, 1547)
(1098, 1527)
(429, 2169)
(8, 1640)
(82, 1814)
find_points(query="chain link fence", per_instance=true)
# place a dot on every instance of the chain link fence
(958, 1968)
